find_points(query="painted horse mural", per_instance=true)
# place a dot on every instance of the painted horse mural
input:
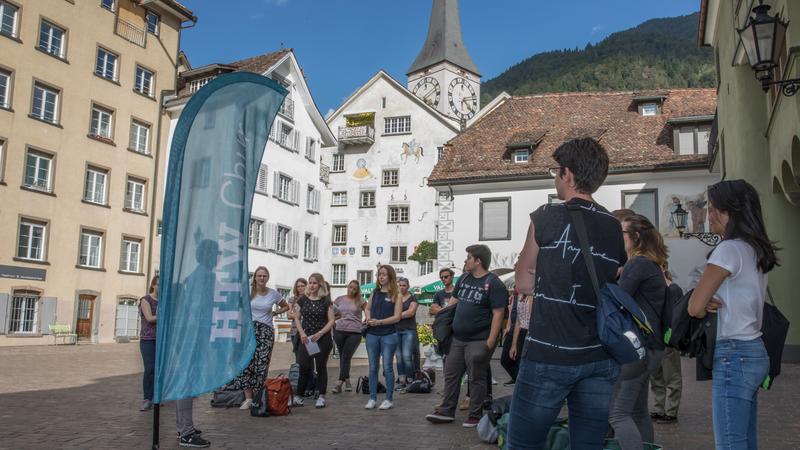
(411, 149)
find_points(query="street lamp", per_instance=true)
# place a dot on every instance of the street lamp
(680, 216)
(763, 38)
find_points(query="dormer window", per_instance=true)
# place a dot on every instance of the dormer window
(521, 156)
(690, 135)
(649, 105)
(195, 85)
(649, 109)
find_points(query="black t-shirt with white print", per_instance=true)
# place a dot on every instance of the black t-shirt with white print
(477, 297)
(563, 327)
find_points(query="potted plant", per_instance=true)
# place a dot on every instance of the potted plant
(426, 343)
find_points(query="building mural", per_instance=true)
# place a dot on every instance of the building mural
(697, 207)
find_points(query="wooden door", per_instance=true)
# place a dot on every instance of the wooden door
(85, 316)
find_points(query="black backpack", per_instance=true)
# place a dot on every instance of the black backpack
(362, 386)
(422, 383)
(226, 397)
(671, 298)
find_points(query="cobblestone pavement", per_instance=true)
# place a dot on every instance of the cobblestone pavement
(87, 397)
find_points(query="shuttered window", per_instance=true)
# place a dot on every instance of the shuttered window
(495, 218)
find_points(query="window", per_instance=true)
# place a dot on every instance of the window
(282, 243)
(399, 254)
(310, 247)
(287, 137)
(5, 89)
(339, 275)
(521, 156)
(439, 153)
(8, 19)
(261, 179)
(644, 202)
(108, 4)
(284, 187)
(38, 171)
(91, 249)
(106, 65)
(24, 312)
(364, 277)
(2, 159)
(340, 234)
(51, 39)
(398, 214)
(311, 149)
(153, 22)
(338, 163)
(95, 189)
(134, 195)
(390, 177)
(339, 199)
(102, 122)
(313, 199)
(195, 85)
(495, 219)
(45, 103)
(127, 322)
(425, 267)
(649, 109)
(693, 139)
(366, 199)
(397, 125)
(365, 251)
(256, 233)
(143, 82)
(140, 137)
(129, 256)
(32, 235)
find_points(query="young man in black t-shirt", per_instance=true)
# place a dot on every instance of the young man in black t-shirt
(481, 298)
(441, 298)
(563, 357)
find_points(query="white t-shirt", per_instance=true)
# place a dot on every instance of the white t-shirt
(261, 306)
(742, 292)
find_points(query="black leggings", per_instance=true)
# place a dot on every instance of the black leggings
(307, 364)
(511, 365)
(346, 342)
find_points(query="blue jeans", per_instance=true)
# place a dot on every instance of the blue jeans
(539, 394)
(381, 347)
(148, 350)
(739, 369)
(405, 361)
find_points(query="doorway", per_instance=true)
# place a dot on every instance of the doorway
(85, 316)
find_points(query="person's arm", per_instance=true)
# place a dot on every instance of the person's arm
(292, 309)
(525, 271)
(298, 322)
(512, 352)
(497, 322)
(147, 311)
(411, 311)
(283, 306)
(702, 299)
(367, 312)
(327, 327)
(631, 275)
(398, 311)
(435, 307)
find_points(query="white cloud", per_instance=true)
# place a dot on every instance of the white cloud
(330, 111)
(597, 28)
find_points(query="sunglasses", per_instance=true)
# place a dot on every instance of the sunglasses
(554, 171)
(445, 277)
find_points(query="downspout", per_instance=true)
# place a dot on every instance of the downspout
(157, 157)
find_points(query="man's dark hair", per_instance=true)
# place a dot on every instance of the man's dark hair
(587, 160)
(448, 270)
(482, 252)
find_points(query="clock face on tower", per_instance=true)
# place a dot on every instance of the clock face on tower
(462, 98)
(428, 90)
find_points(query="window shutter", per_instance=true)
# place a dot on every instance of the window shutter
(48, 315)
(317, 199)
(276, 181)
(261, 181)
(314, 248)
(295, 237)
(272, 236)
(3, 313)
(273, 131)
(296, 192)
(495, 220)
(296, 141)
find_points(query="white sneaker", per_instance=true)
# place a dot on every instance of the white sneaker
(320, 402)
(370, 404)
(297, 401)
(246, 404)
(494, 382)
(386, 404)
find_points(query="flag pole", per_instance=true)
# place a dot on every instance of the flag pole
(155, 426)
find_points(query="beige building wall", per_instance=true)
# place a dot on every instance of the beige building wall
(64, 210)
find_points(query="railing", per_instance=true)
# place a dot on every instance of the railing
(287, 108)
(39, 185)
(364, 134)
(324, 173)
(130, 32)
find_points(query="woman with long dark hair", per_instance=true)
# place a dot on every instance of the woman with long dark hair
(643, 278)
(385, 308)
(349, 310)
(733, 286)
(314, 319)
(262, 301)
(407, 335)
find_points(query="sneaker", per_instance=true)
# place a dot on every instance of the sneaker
(320, 403)
(370, 404)
(494, 382)
(147, 405)
(400, 387)
(386, 404)
(667, 420)
(463, 405)
(195, 441)
(655, 416)
(337, 389)
(509, 383)
(297, 401)
(194, 431)
(471, 422)
(438, 417)
(348, 387)
(246, 404)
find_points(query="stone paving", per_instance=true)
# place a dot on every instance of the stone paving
(87, 397)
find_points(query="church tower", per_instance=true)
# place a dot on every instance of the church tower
(443, 75)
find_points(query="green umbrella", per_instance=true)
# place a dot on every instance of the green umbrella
(425, 293)
(366, 290)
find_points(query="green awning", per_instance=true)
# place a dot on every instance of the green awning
(366, 290)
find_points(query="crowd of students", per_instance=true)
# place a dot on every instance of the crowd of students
(551, 349)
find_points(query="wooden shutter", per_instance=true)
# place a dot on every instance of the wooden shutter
(276, 182)
(48, 314)
(4, 312)
(272, 236)
(295, 192)
(294, 238)
(315, 248)
(317, 199)
(273, 131)
(261, 181)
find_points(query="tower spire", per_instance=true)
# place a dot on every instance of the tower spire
(444, 42)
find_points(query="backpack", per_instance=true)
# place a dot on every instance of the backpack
(294, 375)
(621, 325)
(422, 384)
(487, 431)
(362, 386)
(774, 328)
(672, 297)
(280, 392)
(260, 406)
(227, 398)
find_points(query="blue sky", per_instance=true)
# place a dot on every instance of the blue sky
(341, 43)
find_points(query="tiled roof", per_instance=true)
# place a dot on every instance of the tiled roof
(633, 141)
(259, 64)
